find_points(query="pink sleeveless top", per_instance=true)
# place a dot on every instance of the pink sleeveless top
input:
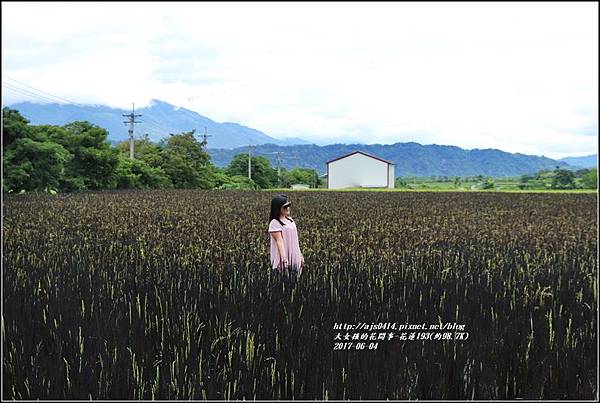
(291, 244)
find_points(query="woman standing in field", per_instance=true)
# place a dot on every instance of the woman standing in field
(285, 247)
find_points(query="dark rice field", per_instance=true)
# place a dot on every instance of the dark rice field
(169, 295)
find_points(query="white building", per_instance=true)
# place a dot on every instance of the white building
(360, 169)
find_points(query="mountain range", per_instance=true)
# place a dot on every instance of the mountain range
(587, 161)
(411, 159)
(227, 139)
(158, 119)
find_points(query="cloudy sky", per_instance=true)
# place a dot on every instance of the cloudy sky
(520, 77)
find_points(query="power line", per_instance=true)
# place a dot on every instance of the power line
(153, 126)
(38, 90)
(157, 124)
(28, 93)
(39, 97)
(24, 91)
(36, 93)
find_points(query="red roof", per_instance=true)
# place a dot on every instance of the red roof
(361, 152)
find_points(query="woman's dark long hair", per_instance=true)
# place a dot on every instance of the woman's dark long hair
(276, 204)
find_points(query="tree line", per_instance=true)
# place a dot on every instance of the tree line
(558, 178)
(78, 157)
(585, 178)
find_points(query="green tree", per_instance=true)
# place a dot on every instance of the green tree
(239, 182)
(580, 173)
(186, 163)
(563, 179)
(524, 181)
(31, 165)
(15, 126)
(144, 150)
(300, 175)
(94, 161)
(32, 162)
(262, 173)
(488, 184)
(590, 179)
(401, 182)
(226, 181)
(137, 174)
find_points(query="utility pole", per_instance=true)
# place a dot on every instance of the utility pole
(279, 153)
(204, 136)
(131, 122)
(296, 157)
(279, 161)
(249, 161)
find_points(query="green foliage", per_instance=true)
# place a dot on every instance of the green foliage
(563, 179)
(560, 179)
(186, 163)
(224, 181)
(220, 177)
(239, 182)
(14, 126)
(146, 170)
(488, 183)
(145, 150)
(299, 175)
(31, 165)
(401, 183)
(137, 174)
(590, 179)
(31, 161)
(526, 178)
(77, 156)
(262, 173)
(94, 161)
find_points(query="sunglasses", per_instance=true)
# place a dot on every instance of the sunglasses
(288, 206)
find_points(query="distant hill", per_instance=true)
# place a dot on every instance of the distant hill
(411, 159)
(158, 120)
(588, 161)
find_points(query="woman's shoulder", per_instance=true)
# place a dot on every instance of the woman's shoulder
(275, 223)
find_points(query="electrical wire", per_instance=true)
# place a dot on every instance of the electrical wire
(40, 91)
(37, 94)
(28, 93)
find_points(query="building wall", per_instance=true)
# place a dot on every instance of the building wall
(392, 178)
(358, 170)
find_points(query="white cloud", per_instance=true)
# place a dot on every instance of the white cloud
(520, 77)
